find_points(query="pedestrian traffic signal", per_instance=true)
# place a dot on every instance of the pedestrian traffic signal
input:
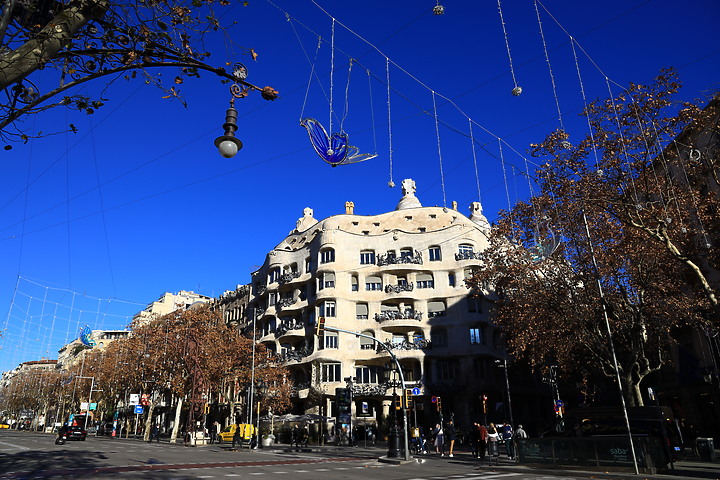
(408, 398)
(320, 326)
(438, 404)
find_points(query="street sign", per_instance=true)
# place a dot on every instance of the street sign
(93, 406)
(134, 398)
(559, 403)
(139, 409)
(416, 391)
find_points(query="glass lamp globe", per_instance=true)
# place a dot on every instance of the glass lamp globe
(228, 148)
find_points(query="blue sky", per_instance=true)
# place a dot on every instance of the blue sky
(96, 224)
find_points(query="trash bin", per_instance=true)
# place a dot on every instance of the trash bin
(706, 449)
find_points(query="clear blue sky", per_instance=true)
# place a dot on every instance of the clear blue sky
(138, 202)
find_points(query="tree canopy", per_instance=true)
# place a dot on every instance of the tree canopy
(50, 47)
(633, 207)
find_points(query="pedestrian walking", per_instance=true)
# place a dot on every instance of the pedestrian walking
(439, 440)
(236, 440)
(482, 441)
(155, 434)
(473, 439)
(507, 437)
(450, 436)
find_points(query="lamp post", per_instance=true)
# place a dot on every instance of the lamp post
(262, 389)
(504, 364)
(228, 144)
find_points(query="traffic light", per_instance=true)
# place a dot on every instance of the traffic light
(207, 408)
(408, 398)
(320, 326)
(484, 401)
(438, 404)
(398, 403)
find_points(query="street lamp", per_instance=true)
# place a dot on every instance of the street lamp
(262, 388)
(504, 364)
(228, 144)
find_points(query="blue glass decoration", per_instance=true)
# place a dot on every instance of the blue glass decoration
(333, 149)
(85, 337)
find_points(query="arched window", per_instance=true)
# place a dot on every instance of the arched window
(327, 255)
(425, 280)
(366, 343)
(354, 283)
(373, 284)
(436, 309)
(367, 257)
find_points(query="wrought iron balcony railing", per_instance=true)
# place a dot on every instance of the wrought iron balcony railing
(468, 256)
(387, 259)
(405, 287)
(288, 277)
(392, 315)
(420, 344)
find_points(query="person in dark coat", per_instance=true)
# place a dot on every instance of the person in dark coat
(450, 436)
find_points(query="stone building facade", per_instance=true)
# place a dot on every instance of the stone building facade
(397, 277)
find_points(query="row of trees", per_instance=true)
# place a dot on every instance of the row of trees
(185, 359)
(618, 250)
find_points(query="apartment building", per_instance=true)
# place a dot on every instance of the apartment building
(397, 277)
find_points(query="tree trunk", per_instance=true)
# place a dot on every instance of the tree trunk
(149, 421)
(176, 426)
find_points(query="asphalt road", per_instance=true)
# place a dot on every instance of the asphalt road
(25, 455)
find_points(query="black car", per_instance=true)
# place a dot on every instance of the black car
(76, 432)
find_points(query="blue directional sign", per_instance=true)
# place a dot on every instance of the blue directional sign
(139, 410)
(559, 403)
(416, 391)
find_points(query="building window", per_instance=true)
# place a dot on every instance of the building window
(367, 257)
(451, 279)
(354, 283)
(366, 374)
(361, 311)
(274, 275)
(307, 265)
(465, 249)
(476, 337)
(435, 254)
(330, 372)
(366, 343)
(327, 255)
(446, 370)
(436, 309)
(327, 280)
(327, 309)
(373, 283)
(406, 252)
(425, 280)
(398, 339)
(331, 340)
(272, 298)
(418, 337)
(480, 366)
(402, 281)
(438, 337)
(474, 305)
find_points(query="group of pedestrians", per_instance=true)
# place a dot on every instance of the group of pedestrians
(443, 435)
(486, 441)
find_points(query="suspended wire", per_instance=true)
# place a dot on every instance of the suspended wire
(584, 99)
(332, 70)
(347, 91)
(507, 191)
(437, 135)
(507, 44)
(372, 112)
(391, 183)
(474, 155)
(547, 60)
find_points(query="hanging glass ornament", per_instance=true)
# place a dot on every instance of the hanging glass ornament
(517, 91)
(438, 9)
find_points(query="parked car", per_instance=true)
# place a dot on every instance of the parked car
(246, 432)
(76, 432)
